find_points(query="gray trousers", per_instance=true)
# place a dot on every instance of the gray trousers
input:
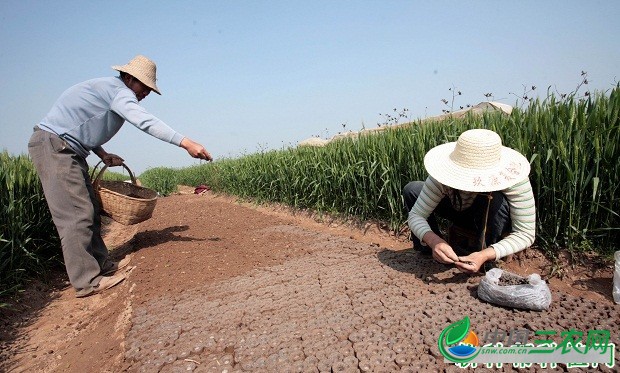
(74, 207)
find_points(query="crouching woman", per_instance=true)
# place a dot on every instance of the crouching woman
(479, 186)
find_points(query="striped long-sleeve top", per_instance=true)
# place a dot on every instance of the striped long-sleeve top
(522, 213)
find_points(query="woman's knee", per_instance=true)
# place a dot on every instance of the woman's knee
(413, 188)
(411, 192)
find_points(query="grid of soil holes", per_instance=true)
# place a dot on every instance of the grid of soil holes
(345, 307)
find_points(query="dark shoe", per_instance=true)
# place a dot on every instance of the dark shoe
(105, 283)
(110, 267)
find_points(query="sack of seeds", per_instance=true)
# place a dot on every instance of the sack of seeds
(511, 290)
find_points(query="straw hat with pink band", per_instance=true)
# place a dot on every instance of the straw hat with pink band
(477, 162)
(142, 69)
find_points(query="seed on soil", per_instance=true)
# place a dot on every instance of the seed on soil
(197, 349)
(402, 360)
(365, 366)
(169, 359)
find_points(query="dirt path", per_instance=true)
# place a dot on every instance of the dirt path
(220, 285)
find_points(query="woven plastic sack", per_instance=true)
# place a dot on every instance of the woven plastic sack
(533, 294)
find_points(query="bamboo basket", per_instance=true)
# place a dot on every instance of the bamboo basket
(124, 202)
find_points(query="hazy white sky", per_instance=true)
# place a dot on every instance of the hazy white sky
(241, 76)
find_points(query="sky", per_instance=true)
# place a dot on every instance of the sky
(241, 77)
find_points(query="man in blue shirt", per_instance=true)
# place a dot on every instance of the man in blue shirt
(84, 118)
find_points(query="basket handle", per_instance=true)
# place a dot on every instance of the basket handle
(96, 180)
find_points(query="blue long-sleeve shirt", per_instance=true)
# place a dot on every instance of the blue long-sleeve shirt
(89, 114)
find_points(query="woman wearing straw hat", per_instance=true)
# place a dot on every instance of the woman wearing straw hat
(481, 186)
(84, 118)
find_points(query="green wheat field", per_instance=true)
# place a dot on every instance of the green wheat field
(573, 144)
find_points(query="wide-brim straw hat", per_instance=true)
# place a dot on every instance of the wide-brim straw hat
(477, 162)
(143, 69)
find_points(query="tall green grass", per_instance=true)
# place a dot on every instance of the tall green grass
(29, 243)
(163, 180)
(572, 144)
(361, 176)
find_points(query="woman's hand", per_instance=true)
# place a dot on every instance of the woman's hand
(474, 261)
(443, 253)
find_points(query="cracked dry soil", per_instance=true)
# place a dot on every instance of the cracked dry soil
(222, 286)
